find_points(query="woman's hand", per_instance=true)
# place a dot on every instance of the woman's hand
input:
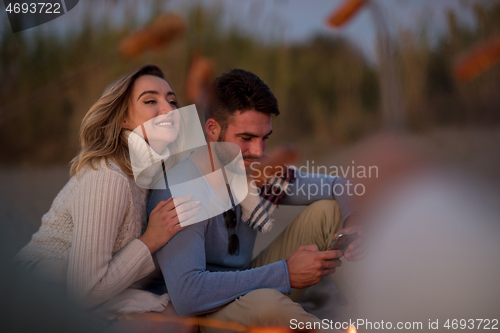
(164, 221)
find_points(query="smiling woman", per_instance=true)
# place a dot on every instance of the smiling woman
(94, 240)
(153, 112)
(155, 123)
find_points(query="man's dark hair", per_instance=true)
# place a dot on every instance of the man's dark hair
(239, 90)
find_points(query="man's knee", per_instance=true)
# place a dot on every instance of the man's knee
(268, 297)
(323, 211)
(320, 220)
(268, 306)
(324, 207)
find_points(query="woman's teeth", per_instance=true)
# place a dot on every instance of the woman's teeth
(167, 123)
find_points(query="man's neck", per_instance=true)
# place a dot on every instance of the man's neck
(206, 159)
(207, 166)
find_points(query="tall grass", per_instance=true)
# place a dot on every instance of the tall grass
(328, 93)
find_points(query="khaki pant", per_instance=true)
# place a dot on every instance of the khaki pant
(315, 225)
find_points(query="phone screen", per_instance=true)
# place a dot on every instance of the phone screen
(342, 241)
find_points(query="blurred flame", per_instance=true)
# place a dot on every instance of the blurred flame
(477, 60)
(345, 12)
(199, 79)
(197, 321)
(269, 329)
(160, 32)
(190, 321)
(352, 329)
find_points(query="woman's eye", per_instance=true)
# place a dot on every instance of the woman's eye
(174, 103)
(150, 102)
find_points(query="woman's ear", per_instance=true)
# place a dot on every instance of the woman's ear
(125, 124)
(212, 128)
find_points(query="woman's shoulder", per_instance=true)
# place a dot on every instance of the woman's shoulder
(101, 167)
(102, 170)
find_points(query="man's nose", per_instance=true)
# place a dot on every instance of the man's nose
(257, 148)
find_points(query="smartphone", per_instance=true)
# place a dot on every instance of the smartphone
(342, 241)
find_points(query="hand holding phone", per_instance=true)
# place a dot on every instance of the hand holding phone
(342, 241)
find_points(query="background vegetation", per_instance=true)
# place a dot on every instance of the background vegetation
(327, 91)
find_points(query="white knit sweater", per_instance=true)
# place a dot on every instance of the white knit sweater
(88, 240)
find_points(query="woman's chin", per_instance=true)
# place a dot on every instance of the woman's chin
(159, 145)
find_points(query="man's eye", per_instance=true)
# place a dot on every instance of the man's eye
(152, 101)
(245, 138)
(266, 138)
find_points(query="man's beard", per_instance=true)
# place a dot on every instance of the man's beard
(228, 154)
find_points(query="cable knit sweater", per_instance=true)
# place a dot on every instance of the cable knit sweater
(88, 241)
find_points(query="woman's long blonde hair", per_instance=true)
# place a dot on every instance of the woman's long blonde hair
(101, 133)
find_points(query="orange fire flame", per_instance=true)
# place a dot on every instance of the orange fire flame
(345, 12)
(269, 329)
(477, 60)
(352, 329)
(159, 33)
(197, 321)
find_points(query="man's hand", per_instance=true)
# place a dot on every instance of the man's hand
(357, 249)
(307, 265)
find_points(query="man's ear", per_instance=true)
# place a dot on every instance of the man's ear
(213, 129)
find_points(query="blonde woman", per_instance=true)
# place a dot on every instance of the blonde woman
(94, 240)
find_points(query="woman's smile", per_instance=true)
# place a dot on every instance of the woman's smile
(153, 109)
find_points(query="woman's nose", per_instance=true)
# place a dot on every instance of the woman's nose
(166, 107)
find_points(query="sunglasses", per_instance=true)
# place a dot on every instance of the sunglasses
(234, 242)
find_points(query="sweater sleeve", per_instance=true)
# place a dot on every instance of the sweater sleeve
(98, 209)
(196, 291)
